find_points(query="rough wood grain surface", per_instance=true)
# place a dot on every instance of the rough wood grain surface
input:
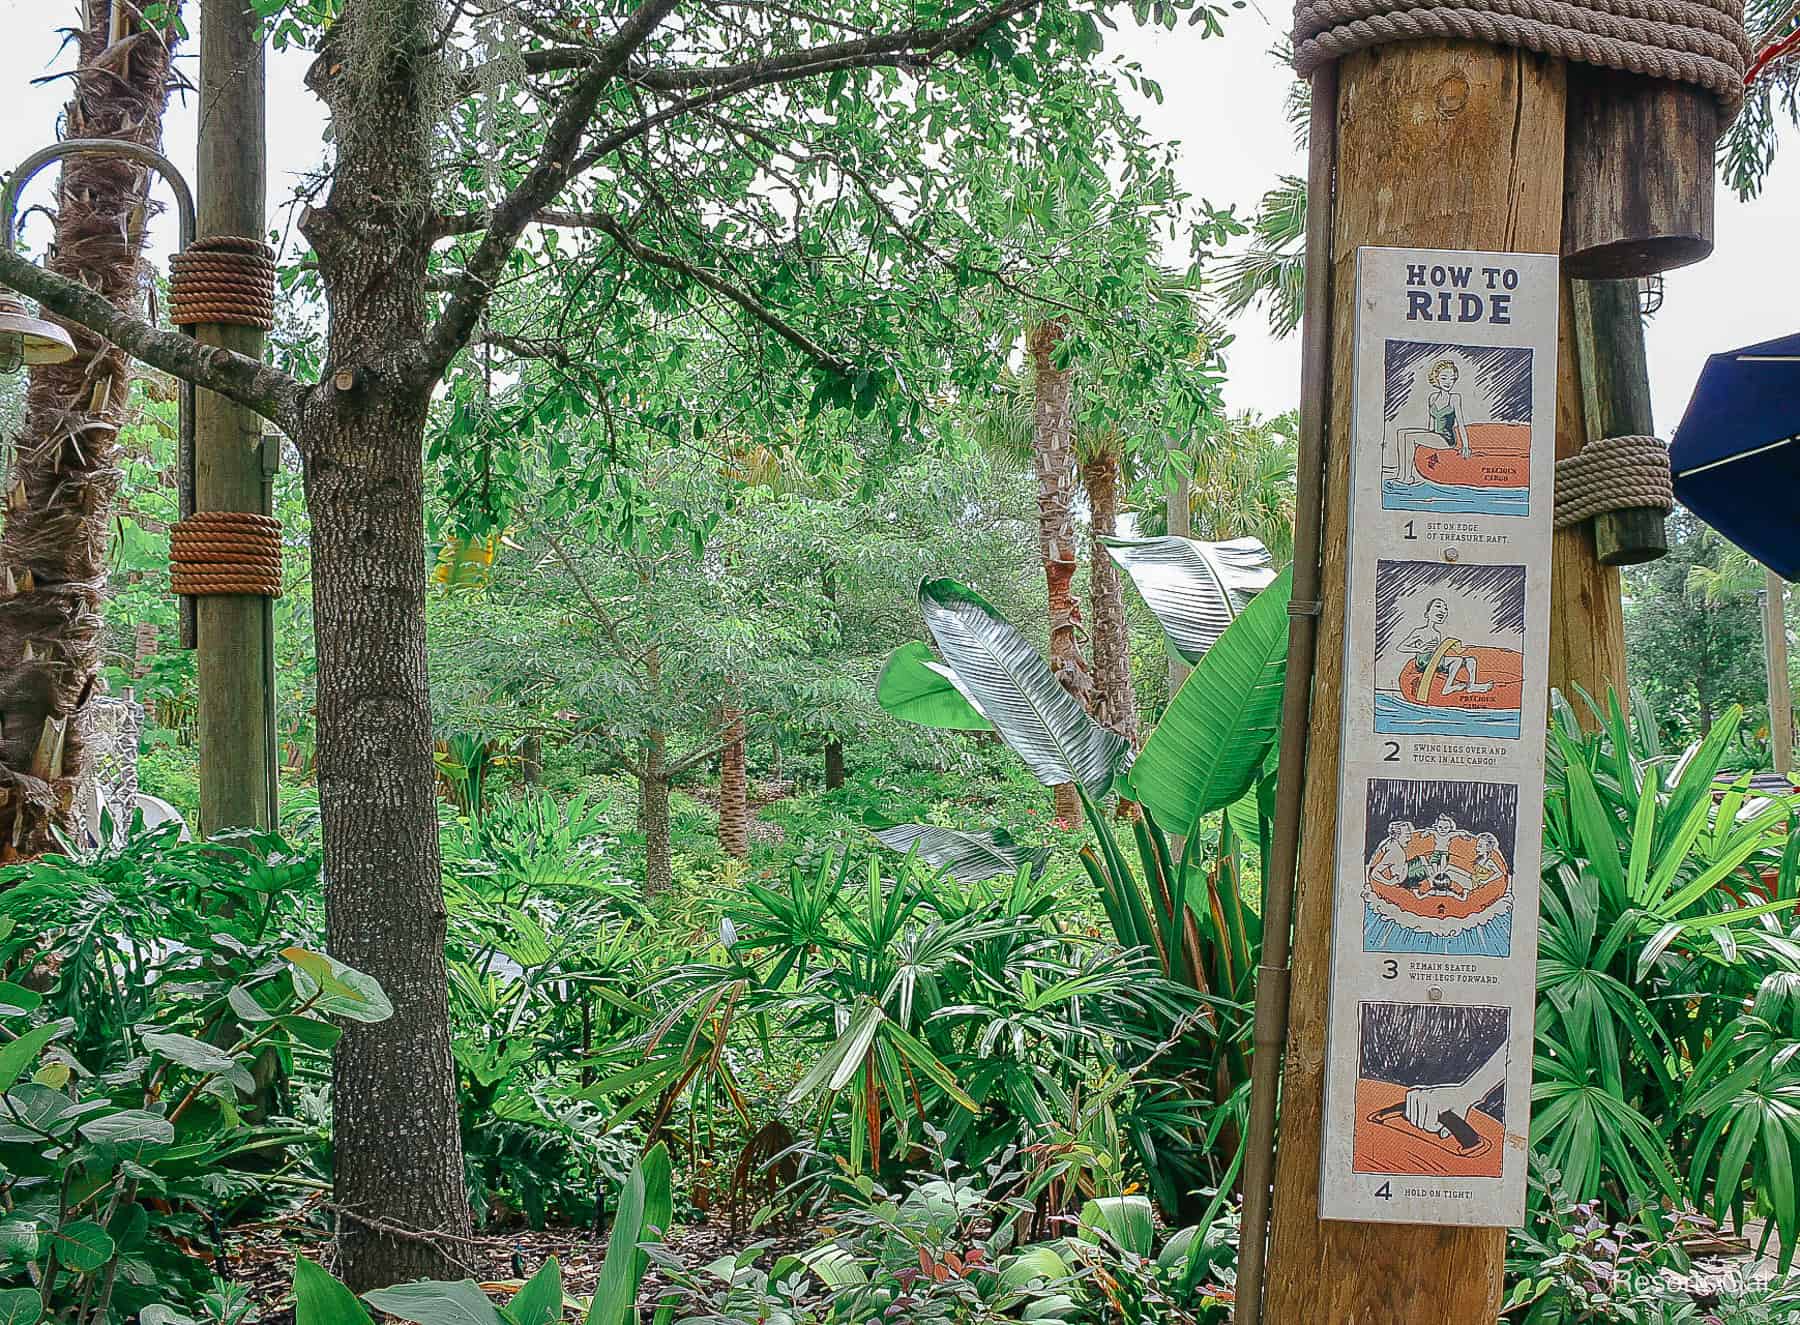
(1615, 395)
(1622, 219)
(1446, 145)
(1587, 623)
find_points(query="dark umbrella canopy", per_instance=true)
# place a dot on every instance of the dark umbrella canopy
(1736, 455)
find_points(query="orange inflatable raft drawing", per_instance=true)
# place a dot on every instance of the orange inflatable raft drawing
(1385, 1142)
(1499, 457)
(1503, 668)
(1448, 895)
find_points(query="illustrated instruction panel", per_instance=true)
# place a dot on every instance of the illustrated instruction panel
(1440, 816)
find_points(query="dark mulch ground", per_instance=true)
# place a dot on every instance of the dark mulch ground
(261, 1257)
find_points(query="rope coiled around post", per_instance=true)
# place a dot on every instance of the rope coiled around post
(1613, 474)
(1701, 42)
(223, 280)
(226, 552)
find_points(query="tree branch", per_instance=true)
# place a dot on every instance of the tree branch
(254, 385)
(555, 166)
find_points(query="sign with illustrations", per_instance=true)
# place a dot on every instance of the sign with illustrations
(1440, 810)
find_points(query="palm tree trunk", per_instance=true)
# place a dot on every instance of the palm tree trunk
(1114, 704)
(1053, 461)
(65, 468)
(734, 783)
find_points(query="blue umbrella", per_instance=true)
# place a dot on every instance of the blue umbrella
(1736, 455)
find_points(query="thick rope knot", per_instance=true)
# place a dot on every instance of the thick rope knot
(226, 552)
(1701, 42)
(1613, 474)
(223, 280)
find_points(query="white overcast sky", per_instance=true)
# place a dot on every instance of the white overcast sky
(1222, 102)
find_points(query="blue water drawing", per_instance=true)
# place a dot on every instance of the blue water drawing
(1493, 938)
(1395, 716)
(1449, 499)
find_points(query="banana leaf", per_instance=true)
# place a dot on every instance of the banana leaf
(915, 687)
(970, 857)
(1211, 744)
(1041, 722)
(1195, 589)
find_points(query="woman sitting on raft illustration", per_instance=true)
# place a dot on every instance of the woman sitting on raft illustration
(1423, 644)
(1444, 408)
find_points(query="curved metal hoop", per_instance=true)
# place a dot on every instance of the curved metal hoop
(145, 156)
(10, 192)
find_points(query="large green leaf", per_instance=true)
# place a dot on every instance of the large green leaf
(915, 687)
(320, 1299)
(21, 1053)
(1211, 743)
(20, 1306)
(1043, 724)
(970, 857)
(1195, 589)
(436, 1302)
(336, 990)
(646, 1204)
(540, 1301)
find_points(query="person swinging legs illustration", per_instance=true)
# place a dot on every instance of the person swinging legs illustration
(1423, 643)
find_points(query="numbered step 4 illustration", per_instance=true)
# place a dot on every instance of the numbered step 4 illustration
(1431, 1090)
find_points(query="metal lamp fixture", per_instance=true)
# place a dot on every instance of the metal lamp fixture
(25, 339)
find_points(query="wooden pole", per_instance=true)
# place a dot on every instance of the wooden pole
(1621, 216)
(1775, 656)
(1587, 623)
(1446, 145)
(237, 741)
(1615, 393)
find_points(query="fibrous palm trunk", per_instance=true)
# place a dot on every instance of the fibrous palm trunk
(1053, 462)
(734, 783)
(1114, 703)
(65, 470)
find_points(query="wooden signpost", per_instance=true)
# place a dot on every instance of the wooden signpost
(1440, 791)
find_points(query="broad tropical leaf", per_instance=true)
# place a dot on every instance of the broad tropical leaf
(970, 857)
(643, 1215)
(1195, 589)
(320, 1299)
(915, 687)
(1043, 724)
(1211, 743)
(436, 1302)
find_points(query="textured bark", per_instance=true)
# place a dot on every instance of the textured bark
(395, 1134)
(1053, 461)
(1176, 509)
(734, 784)
(834, 765)
(65, 472)
(1114, 702)
(653, 817)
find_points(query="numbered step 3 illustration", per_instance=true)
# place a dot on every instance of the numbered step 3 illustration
(1447, 594)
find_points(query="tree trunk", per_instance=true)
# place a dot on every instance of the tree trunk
(395, 1134)
(834, 764)
(734, 784)
(1775, 661)
(1115, 704)
(65, 469)
(531, 759)
(1053, 461)
(653, 816)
